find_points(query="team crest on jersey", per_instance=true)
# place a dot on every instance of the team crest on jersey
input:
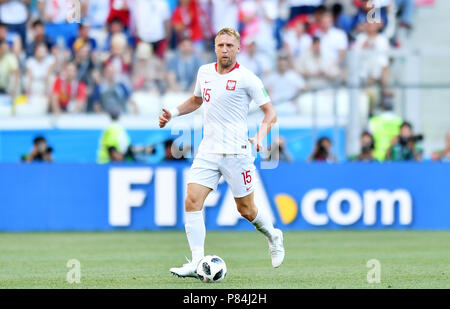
(231, 85)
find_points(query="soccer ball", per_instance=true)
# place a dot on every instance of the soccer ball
(211, 269)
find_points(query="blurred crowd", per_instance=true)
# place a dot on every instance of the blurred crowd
(112, 51)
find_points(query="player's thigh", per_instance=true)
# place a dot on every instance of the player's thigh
(196, 196)
(240, 174)
(203, 177)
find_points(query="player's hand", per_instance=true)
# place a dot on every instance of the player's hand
(257, 144)
(164, 118)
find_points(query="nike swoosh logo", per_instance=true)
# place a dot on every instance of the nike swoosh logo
(248, 189)
(207, 82)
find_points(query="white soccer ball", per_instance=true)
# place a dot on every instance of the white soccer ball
(211, 269)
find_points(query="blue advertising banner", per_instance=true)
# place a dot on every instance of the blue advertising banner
(298, 196)
(81, 146)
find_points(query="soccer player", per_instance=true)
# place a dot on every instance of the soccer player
(225, 89)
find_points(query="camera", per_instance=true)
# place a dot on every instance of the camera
(413, 139)
(142, 150)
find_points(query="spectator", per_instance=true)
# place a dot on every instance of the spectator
(322, 151)
(111, 95)
(149, 73)
(83, 38)
(315, 22)
(225, 14)
(183, 67)
(152, 23)
(443, 155)
(55, 15)
(374, 66)
(172, 152)
(283, 10)
(18, 51)
(9, 71)
(364, 9)
(116, 27)
(367, 148)
(384, 127)
(39, 70)
(97, 13)
(278, 151)
(284, 86)
(5, 35)
(14, 14)
(187, 22)
(41, 151)
(119, 9)
(257, 21)
(333, 40)
(114, 139)
(253, 59)
(300, 7)
(297, 41)
(85, 66)
(39, 36)
(121, 59)
(317, 66)
(341, 20)
(404, 147)
(68, 94)
(407, 8)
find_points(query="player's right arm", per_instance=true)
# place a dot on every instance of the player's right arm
(190, 105)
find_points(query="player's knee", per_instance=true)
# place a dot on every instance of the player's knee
(247, 212)
(192, 203)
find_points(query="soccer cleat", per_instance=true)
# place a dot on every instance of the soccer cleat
(276, 248)
(187, 270)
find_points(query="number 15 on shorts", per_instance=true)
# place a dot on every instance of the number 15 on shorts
(247, 177)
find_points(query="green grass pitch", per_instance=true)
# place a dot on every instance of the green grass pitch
(319, 259)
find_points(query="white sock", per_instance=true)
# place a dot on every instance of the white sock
(263, 224)
(196, 233)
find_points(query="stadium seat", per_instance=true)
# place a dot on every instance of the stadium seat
(36, 106)
(325, 100)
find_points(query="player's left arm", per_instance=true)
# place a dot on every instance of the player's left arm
(270, 118)
(258, 93)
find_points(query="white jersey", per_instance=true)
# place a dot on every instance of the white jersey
(226, 100)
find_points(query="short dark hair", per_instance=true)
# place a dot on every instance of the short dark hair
(406, 124)
(37, 23)
(337, 8)
(168, 143)
(39, 139)
(114, 114)
(321, 9)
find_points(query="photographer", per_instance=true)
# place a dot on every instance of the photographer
(403, 147)
(41, 152)
(367, 148)
(278, 151)
(173, 152)
(114, 141)
(322, 151)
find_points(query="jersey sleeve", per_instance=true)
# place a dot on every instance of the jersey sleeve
(256, 90)
(198, 88)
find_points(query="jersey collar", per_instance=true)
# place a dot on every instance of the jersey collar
(236, 66)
